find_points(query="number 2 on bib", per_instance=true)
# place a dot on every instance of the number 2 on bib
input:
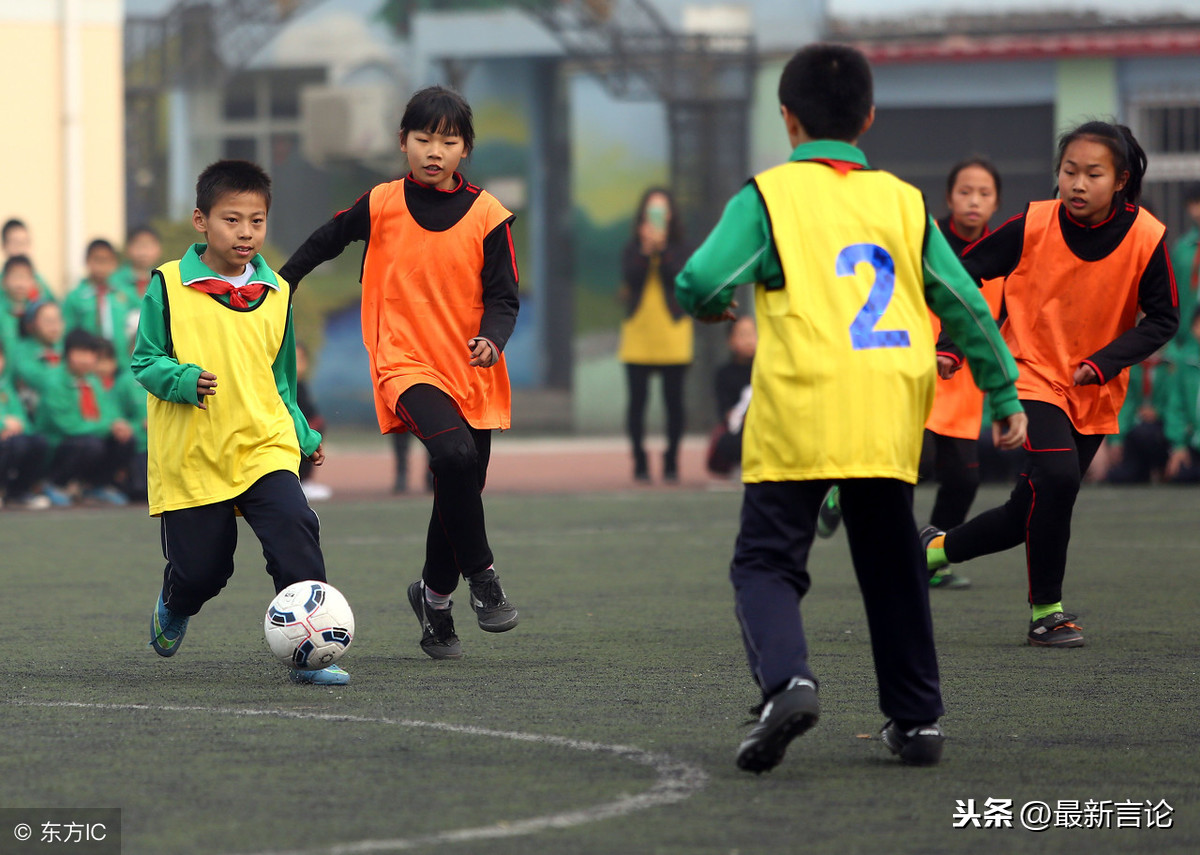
(863, 335)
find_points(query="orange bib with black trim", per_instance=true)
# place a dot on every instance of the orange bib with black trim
(958, 402)
(422, 302)
(1062, 309)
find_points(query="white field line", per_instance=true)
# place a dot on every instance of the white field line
(676, 780)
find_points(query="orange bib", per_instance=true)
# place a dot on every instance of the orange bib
(1062, 309)
(422, 301)
(958, 402)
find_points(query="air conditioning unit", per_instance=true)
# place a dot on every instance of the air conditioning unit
(348, 123)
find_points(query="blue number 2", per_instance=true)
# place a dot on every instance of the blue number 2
(863, 334)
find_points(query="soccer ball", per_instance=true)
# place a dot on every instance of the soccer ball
(309, 625)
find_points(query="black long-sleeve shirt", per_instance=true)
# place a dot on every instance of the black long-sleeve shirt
(998, 254)
(436, 211)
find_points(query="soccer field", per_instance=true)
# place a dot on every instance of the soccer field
(607, 721)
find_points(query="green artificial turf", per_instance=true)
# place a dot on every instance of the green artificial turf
(627, 638)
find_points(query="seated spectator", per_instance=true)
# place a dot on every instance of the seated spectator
(90, 444)
(1180, 418)
(22, 453)
(733, 398)
(15, 296)
(39, 349)
(95, 305)
(143, 252)
(128, 396)
(15, 240)
(1138, 453)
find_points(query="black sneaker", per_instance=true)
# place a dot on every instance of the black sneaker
(830, 515)
(1056, 630)
(437, 625)
(493, 611)
(919, 746)
(785, 716)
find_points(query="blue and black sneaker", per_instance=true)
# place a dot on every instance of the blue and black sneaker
(166, 629)
(331, 676)
(830, 515)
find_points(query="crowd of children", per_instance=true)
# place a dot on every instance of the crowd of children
(74, 420)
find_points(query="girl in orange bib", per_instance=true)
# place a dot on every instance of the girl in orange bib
(1077, 270)
(439, 302)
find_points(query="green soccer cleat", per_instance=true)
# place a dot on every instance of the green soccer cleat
(166, 629)
(331, 676)
(830, 515)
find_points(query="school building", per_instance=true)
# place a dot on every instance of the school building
(62, 149)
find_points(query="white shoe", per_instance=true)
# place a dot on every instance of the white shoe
(315, 492)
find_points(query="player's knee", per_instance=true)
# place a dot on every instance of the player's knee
(459, 457)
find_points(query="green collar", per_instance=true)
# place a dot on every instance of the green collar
(830, 150)
(192, 268)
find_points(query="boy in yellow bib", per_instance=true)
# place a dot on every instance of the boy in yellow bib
(846, 259)
(221, 315)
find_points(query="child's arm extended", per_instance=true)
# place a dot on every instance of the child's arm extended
(154, 364)
(329, 240)
(738, 251)
(500, 302)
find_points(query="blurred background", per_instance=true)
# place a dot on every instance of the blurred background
(112, 108)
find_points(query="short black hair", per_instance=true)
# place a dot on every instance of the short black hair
(17, 261)
(1191, 192)
(80, 339)
(99, 243)
(829, 89)
(438, 110)
(231, 176)
(9, 225)
(105, 348)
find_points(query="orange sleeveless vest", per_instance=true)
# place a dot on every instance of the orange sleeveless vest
(1062, 309)
(958, 402)
(422, 301)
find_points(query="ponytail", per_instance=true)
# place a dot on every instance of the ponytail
(1127, 154)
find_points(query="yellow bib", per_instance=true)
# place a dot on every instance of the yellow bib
(198, 457)
(650, 336)
(844, 374)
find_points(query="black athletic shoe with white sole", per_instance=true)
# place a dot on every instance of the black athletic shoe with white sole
(437, 626)
(917, 746)
(492, 609)
(789, 713)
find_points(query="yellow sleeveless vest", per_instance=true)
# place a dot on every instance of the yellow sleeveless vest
(844, 374)
(198, 457)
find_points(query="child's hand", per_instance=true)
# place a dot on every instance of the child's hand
(947, 367)
(1009, 433)
(483, 353)
(728, 315)
(318, 456)
(205, 385)
(1085, 375)
(121, 431)
(11, 426)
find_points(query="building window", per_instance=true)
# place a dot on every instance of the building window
(1167, 124)
(240, 148)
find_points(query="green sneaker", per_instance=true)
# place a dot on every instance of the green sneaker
(830, 515)
(166, 629)
(331, 676)
(949, 580)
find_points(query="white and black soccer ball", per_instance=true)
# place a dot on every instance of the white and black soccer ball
(309, 625)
